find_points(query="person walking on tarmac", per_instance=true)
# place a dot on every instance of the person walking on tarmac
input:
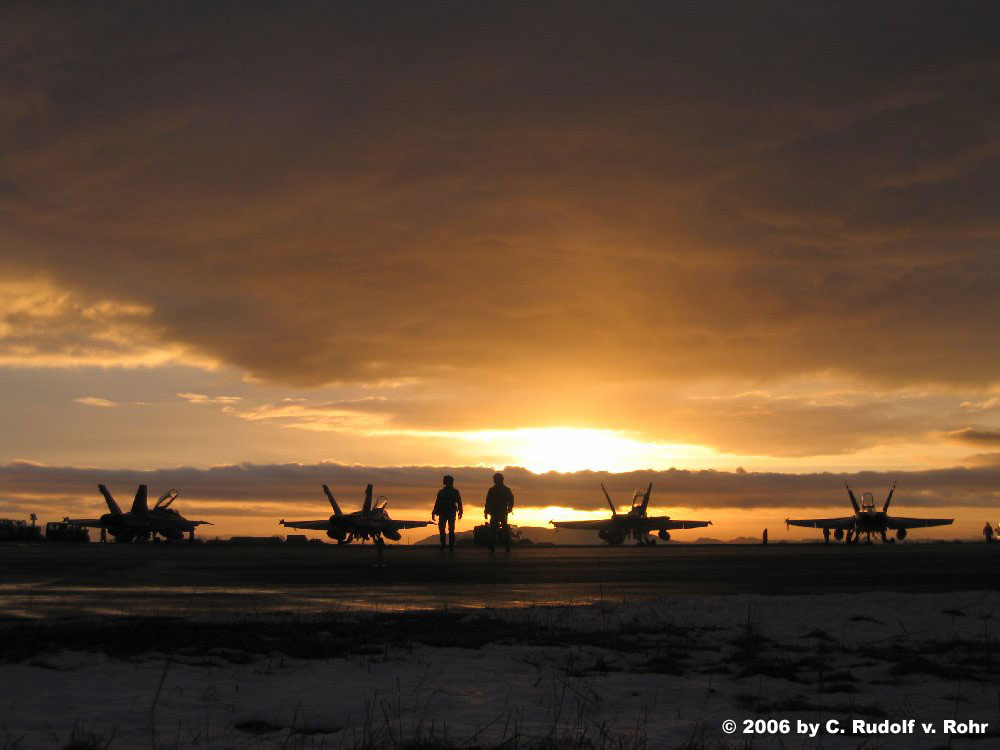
(447, 505)
(499, 504)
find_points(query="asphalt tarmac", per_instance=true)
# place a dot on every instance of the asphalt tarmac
(55, 581)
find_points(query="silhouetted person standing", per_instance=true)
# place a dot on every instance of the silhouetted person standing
(988, 532)
(499, 504)
(446, 507)
(764, 538)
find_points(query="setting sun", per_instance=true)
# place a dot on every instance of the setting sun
(573, 449)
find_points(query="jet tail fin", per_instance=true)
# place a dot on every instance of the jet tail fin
(367, 507)
(608, 497)
(112, 505)
(333, 503)
(139, 505)
(885, 508)
(645, 498)
(854, 502)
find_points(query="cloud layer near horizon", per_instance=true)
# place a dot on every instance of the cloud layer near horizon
(468, 193)
(247, 488)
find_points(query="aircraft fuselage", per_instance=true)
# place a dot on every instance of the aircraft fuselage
(871, 522)
(125, 527)
(347, 527)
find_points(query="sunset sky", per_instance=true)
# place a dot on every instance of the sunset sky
(247, 248)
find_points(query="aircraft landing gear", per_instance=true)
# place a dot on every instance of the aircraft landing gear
(613, 538)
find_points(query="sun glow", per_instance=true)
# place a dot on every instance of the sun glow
(540, 516)
(563, 449)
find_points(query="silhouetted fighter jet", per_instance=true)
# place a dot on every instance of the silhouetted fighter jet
(371, 522)
(141, 522)
(635, 524)
(866, 520)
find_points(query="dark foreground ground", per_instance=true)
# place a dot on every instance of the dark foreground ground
(146, 580)
(248, 648)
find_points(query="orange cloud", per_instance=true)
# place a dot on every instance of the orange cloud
(95, 401)
(45, 325)
(625, 201)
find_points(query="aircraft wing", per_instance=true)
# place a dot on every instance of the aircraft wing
(896, 522)
(313, 525)
(654, 523)
(595, 525)
(824, 523)
(407, 524)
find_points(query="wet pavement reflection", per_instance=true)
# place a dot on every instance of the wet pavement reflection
(50, 581)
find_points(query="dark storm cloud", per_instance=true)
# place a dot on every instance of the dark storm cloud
(980, 437)
(470, 192)
(280, 488)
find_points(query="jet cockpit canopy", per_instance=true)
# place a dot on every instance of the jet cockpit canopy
(165, 500)
(867, 502)
(378, 507)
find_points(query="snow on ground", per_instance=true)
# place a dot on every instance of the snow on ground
(659, 674)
